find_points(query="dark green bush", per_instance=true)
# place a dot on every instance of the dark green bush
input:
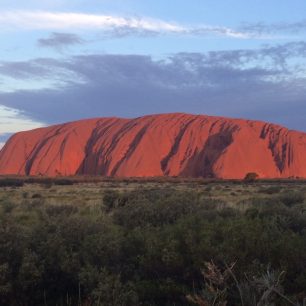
(113, 199)
(270, 190)
(147, 249)
(60, 210)
(11, 182)
(7, 206)
(291, 198)
(155, 208)
(63, 182)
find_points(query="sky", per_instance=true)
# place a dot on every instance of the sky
(66, 60)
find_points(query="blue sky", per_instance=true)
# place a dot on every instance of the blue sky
(65, 60)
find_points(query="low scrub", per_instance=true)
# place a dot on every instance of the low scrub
(153, 247)
(11, 182)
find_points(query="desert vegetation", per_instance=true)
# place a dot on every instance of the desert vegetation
(155, 242)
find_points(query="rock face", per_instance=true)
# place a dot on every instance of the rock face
(158, 145)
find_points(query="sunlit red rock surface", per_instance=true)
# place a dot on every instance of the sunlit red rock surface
(158, 145)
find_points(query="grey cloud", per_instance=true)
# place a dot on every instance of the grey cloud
(281, 27)
(272, 56)
(38, 69)
(60, 41)
(23, 70)
(126, 31)
(258, 84)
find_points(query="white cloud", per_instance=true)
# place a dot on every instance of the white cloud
(12, 121)
(44, 20)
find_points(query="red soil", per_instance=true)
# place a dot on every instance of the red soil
(158, 145)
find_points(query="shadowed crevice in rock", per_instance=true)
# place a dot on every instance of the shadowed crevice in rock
(130, 150)
(202, 162)
(278, 144)
(175, 147)
(38, 148)
(90, 163)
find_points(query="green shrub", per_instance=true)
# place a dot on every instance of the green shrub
(63, 182)
(270, 190)
(36, 196)
(7, 206)
(292, 198)
(60, 210)
(11, 182)
(113, 199)
(148, 248)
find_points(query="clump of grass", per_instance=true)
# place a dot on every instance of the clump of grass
(7, 207)
(208, 188)
(292, 198)
(25, 195)
(270, 190)
(36, 196)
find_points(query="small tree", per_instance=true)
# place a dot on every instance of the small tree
(251, 177)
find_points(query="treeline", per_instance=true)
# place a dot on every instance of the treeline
(154, 247)
(18, 181)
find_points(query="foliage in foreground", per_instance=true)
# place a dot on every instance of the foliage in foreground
(149, 247)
